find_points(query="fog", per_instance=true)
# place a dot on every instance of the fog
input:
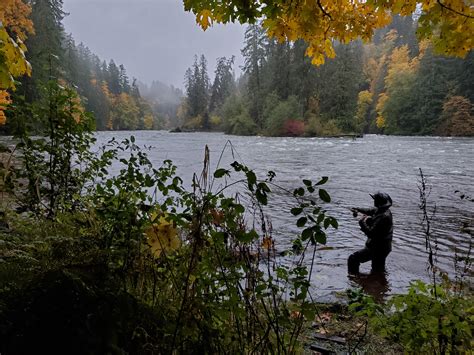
(153, 39)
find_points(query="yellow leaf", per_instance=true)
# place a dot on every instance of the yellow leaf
(204, 19)
(162, 237)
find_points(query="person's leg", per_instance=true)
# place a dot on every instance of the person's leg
(378, 260)
(354, 261)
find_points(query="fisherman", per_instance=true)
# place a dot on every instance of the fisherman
(377, 224)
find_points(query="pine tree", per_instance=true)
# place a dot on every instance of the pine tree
(254, 53)
(223, 85)
(45, 50)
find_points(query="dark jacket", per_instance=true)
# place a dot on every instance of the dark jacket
(378, 227)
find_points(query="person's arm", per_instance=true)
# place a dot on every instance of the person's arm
(375, 226)
(367, 211)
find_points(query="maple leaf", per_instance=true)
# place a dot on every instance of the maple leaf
(204, 19)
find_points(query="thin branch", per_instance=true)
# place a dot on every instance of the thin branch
(324, 11)
(450, 9)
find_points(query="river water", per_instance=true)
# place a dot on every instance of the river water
(356, 167)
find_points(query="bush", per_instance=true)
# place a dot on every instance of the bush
(316, 126)
(236, 117)
(293, 128)
(425, 321)
(276, 112)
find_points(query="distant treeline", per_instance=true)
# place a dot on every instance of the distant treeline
(393, 85)
(104, 88)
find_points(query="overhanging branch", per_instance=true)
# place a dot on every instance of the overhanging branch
(450, 9)
(324, 11)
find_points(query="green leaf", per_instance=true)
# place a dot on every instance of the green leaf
(324, 195)
(327, 223)
(321, 237)
(239, 208)
(251, 178)
(320, 218)
(220, 173)
(301, 221)
(261, 197)
(307, 182)
(219, 237)
(264, 187)
(323, 180)
(298, 192)
(307, 233)
(296, 211)
(247, 237)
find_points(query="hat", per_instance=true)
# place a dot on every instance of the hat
(381, 200)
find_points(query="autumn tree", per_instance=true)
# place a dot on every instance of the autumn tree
(398, 107)
(125, 113)
(15, 26)
(364, 101)
(457, 117)
(447, 24)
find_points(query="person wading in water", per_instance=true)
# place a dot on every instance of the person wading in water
(377, 224)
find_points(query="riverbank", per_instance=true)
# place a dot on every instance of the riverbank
(73, 311)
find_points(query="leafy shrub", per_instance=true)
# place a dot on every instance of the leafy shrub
(276, 112)
(316, 126)
(293, 128)
(424, 322)
(236, 117)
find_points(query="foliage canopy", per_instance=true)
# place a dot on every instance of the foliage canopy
(449, 24)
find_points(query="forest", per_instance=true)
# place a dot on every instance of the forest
(393, 85)
(104, 89)
(105, 251)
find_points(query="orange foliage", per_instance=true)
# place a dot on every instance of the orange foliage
(14, 16)
(4, 101)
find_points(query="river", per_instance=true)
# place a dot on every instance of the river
(356, 167)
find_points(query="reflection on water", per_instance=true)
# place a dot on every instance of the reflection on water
(374, 284)
(356, 168)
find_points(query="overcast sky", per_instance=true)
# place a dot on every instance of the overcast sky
(153, 39)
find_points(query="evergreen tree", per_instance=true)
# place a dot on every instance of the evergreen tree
(223, 85)
(197, 92)
(45, 51)
(113, 78)
(339, 83)
(123, 80)
(435, 80)
(254, 53)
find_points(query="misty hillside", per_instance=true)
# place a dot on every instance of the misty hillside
(160, 92)
(165, 100)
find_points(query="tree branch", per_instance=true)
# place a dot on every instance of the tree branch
(324, 11)
(450, 9)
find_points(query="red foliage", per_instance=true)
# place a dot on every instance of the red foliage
(293, 128)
